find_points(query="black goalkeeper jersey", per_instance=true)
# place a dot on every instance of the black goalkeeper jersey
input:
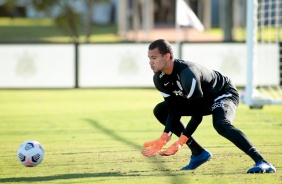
(197, 85)
(191, 81)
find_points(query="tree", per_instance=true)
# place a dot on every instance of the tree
(88, 21)
(67, 20)
(226, 19)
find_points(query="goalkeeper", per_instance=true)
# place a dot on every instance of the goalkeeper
(191, 89)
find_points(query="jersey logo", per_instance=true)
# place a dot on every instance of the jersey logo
(179, 92)
(165, 84)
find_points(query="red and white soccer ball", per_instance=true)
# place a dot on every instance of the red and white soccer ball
(30, 153)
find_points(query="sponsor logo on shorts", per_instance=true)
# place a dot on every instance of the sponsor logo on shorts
(216, 105)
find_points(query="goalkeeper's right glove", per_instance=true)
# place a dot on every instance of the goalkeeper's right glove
(175, 146)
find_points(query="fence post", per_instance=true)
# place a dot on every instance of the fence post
(76, 65)
(280, 61)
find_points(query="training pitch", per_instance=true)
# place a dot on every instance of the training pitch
(96, 136)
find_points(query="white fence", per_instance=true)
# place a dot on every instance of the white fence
(117, 65)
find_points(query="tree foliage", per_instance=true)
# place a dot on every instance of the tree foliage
(68, 19)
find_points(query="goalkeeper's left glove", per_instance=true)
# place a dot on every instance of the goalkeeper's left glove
(156, 145)
(175, 146)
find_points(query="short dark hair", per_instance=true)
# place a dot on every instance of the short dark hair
(163, 46)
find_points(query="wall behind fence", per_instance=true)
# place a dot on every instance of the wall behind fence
(36, 66)
(118, 65)
(114, 65)
(231, 60)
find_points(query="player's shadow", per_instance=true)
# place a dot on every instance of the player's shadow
(117, 137)
(61, 177)
(112, 133)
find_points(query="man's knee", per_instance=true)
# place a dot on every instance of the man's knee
(223, 116)
(222, 126)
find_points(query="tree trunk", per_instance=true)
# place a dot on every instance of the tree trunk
(88, 20)
(226, 19)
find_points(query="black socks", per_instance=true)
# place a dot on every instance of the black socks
(195, 148)
(255, 155)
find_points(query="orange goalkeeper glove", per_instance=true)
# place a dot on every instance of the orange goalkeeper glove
(175, 146)
(155, 145)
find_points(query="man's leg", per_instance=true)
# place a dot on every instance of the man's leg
(161, 113)
(223, 116)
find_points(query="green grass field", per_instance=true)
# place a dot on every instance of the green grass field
(96, 136)
(44, 30)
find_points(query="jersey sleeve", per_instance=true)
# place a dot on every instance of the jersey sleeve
(191, 83)
(159, 86)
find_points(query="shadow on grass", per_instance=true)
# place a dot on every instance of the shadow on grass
(117, 137)
(61, 177)
(112, 134)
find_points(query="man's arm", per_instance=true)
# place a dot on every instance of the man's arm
(173, 114)
(171, 101)
(155, 146)
(189, 130)
(192, 125)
